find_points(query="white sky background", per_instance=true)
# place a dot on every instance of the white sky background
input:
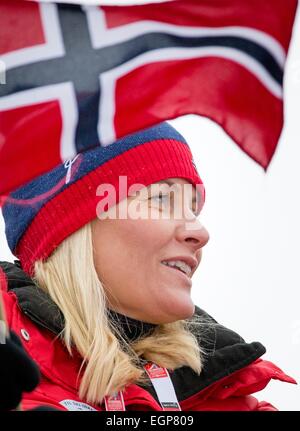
(249, 277)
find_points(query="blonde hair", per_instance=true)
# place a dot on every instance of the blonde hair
(110, 363)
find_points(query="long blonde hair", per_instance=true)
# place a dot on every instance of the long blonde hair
(109, 362)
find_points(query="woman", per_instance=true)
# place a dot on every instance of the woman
(102, 298)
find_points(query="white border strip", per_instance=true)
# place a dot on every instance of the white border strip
(65, 94)
(102, 37)
(106, 131)
(54, 46)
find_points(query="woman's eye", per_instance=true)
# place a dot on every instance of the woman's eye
(159, 196)
(196, 212)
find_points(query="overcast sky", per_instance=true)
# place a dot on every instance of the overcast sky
(249, 276)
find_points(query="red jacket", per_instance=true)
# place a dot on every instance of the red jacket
(233, 369)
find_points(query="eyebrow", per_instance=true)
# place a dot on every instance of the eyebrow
(170, 183)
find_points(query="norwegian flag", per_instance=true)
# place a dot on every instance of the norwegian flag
(80, 76)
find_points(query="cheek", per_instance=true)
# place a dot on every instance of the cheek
(140, 242)
(132, 246)
(145, 238)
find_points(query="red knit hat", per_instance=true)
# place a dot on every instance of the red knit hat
(41, 214)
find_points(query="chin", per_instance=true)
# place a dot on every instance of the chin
(189, 312)
(181, 313)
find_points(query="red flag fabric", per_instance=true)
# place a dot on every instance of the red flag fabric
(81, 76)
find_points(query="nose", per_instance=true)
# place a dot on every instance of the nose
(193, 233)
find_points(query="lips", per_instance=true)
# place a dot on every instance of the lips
(179, 273)
(189, 260)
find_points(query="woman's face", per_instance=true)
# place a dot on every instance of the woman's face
(128, 254)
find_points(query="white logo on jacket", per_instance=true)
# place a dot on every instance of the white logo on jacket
(76, 405)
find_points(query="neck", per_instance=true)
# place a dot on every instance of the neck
(131, 329)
